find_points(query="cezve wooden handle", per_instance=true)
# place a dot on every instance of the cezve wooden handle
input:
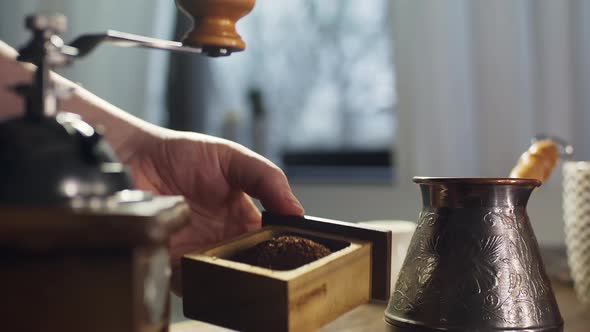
(538, 161)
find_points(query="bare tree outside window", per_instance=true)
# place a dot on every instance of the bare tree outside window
(323, 71)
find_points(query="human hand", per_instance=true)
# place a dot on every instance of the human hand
(217, 178)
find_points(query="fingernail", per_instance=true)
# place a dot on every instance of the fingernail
(295, 202)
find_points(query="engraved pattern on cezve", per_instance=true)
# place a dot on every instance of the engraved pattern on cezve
(483, 265)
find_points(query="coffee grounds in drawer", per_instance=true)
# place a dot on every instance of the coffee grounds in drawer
(284, 252)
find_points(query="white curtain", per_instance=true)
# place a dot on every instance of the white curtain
(477, 79)
(132, 79)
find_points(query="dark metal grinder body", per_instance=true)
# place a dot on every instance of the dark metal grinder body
(49, 159)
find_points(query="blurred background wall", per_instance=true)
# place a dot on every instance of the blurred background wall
(474, 81)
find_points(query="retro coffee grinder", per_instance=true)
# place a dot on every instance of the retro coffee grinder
(80, 249)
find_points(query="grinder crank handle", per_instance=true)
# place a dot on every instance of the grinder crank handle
(86, 43)
(213, 32)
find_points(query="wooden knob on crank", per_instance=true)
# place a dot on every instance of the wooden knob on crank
(214, 24)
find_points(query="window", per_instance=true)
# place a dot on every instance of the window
(314, 91)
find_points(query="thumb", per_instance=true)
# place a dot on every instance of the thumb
(261, 179)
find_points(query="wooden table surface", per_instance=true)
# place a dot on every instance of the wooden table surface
(369, 317)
